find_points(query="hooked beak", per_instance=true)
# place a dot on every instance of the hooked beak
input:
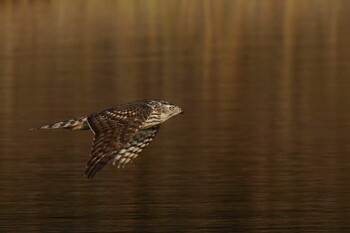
(182, 112)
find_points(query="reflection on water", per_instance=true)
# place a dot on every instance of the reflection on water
(263, 146)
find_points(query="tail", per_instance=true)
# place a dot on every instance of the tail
(72, 124)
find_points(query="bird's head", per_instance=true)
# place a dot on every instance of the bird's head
(165, 109)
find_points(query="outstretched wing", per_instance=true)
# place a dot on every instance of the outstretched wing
(134, 147)
(113, 129)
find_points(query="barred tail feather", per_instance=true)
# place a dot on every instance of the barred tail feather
(72, 124)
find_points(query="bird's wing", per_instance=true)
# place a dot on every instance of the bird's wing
(134, 147)
(113, 129)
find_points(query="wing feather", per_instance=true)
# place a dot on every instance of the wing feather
(134, 147)
(113, 128)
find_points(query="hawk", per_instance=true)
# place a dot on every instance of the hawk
(121, 132)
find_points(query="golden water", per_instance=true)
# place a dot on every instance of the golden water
(263, 146)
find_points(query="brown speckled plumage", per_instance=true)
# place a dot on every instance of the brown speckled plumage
(120, 133)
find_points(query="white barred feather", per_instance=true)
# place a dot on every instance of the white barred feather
(135, 146)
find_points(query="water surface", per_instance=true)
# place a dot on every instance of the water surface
(263, 146)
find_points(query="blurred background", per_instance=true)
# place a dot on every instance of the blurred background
(264, 142)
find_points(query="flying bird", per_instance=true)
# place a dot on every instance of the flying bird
(121, 132)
